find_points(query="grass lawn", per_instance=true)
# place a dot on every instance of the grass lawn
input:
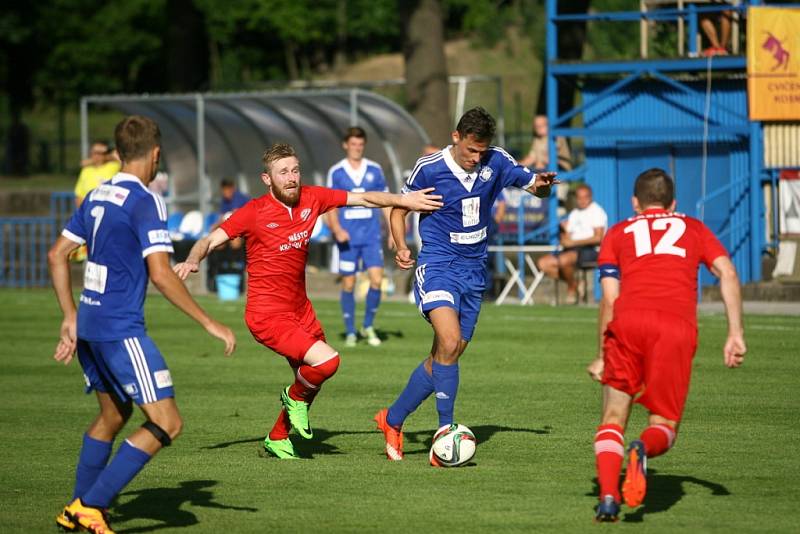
(523, 392)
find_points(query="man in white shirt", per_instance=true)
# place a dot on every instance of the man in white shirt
(581, 233)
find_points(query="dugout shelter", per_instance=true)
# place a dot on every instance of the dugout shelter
(208, 136)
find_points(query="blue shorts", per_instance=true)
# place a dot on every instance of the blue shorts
(454, 285)
(354, 258)
(130, 369)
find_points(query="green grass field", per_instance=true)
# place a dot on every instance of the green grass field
(523, 392)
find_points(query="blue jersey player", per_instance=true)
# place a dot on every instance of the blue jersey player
(124, 228)
(357, 231)
(450, 277)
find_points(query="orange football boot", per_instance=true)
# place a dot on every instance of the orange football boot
(393, 437)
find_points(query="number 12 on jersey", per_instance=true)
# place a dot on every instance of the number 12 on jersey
(674, 226)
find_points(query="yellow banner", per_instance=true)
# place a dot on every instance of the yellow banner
(773, 63)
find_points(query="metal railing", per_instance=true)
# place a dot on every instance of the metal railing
(24, 242)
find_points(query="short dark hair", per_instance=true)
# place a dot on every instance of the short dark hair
(226, 182)
(276, 152)
(654, 186)
(354, 131)
(584, 185)
(136, 135)
(477, 122)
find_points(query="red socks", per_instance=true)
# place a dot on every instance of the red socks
(657, 439)
(609, 452)
(281, 428)
(308, 379)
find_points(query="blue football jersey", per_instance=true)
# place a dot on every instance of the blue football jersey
(121, 223)
(459, 228)
(363, 224)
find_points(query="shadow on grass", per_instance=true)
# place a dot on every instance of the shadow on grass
(382, 334)
(319, 444)
(664, 492)
(164, 505)
(483, 433)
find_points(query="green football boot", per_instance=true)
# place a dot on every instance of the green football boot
(280, 448)
(298, 414)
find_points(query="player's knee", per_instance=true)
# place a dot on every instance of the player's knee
(448, 349)
(172, 425)
(348, 283)
(328, 368)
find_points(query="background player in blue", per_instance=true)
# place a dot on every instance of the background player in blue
(357, 232)
(124, 228)
(451, 274)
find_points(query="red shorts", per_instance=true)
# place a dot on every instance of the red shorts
(290, 334)
(650, 353)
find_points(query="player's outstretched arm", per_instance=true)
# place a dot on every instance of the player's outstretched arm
(604, 315)
(58, 260)
(421, 200)
(199, 251)
(735, 347)
(543, 184)
(171, 287)
(397, 222)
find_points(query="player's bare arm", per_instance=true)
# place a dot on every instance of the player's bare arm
(171, 287)
(332, 220)
(397, 222)
(58, 260)
(543, 183)
(199, 252)
(604, 316)
(390, 242)
(735, 347)
(421, 200)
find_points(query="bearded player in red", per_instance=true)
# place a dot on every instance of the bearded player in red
(648, 331)
(277, 227)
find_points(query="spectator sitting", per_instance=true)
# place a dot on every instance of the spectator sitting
(232, 198)
(580, 234)
(230, 257)
(101, 165)
(538, 156)
(717, 42)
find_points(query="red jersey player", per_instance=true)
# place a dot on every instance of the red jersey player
(648, 330)
(277, 227)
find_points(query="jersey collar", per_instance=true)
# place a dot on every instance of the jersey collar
(356, 175)
(467, 179)
(126, 177)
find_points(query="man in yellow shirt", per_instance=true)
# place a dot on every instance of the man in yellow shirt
(101, 166)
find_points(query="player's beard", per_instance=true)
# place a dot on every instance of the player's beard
(289, 198)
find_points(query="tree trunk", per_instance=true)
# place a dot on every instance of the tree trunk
(427, 91)
(340, 56)
(571, 38)
(186, 47)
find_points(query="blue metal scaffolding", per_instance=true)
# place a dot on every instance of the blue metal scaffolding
(685, 114)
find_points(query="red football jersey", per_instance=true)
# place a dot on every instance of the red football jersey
(656, 256)
(277, 245)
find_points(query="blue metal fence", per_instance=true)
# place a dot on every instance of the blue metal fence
(24, 242)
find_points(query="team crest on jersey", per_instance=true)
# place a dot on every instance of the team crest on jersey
(305, 214)
(369, 177)
(486, 174)
(272, 225)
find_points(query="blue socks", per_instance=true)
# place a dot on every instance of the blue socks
(123, 468)
(445, 381)
(348, 302)
(419, 387)
(373, 301)
(91, 462)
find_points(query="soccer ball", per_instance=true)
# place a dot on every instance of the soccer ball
(453, 445)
